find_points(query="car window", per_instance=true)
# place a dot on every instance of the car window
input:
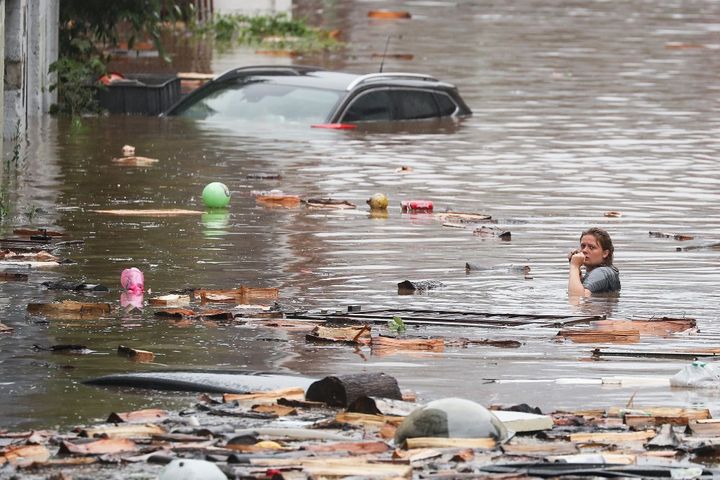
(266, 102)
(374, 105)
(447, 106)
(414, 104)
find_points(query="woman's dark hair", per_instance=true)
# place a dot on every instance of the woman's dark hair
(604, 240)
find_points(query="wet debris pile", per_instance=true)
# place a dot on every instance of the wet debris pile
(364, 425)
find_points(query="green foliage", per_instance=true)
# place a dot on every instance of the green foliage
(397, 325)
(88, 27)
(76, 85)
(269, 31)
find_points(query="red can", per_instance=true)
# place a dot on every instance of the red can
(417, 206)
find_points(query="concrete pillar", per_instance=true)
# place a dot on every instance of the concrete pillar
(31, 45)
(16, 41)
(2, 70)
(43, 17)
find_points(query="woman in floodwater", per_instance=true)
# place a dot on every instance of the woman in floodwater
(596, 255)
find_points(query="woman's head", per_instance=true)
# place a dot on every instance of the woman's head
(596, 245)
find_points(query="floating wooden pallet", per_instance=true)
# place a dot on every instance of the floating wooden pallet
(445, 317)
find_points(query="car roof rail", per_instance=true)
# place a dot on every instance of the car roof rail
(390, 75)
(268, 70)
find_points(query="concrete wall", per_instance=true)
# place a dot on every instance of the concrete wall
(31, 45)
(251, 7)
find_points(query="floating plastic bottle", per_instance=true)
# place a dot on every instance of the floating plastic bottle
(132, 280)
(417, 206)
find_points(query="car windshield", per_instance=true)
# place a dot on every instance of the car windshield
(265, 102)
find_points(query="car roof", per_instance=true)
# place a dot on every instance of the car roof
(332, 80)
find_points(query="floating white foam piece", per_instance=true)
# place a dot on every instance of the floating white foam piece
(524, 422)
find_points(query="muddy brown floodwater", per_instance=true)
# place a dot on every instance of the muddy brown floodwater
(579, 108)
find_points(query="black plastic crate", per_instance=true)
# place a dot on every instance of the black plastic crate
(140, 94)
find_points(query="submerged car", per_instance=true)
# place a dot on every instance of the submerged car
(296, 94)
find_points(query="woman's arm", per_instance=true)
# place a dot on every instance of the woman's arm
(575, 286)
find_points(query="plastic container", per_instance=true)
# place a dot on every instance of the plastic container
(697, 375)
(140, 94)
(132, 280)
(416, 206)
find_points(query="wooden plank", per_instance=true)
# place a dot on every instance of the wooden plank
(135, 354)
(5, 329)
(124, 431)
(145, 415)
(360, 335)
(169, 212)
(69, 308)
(439, 442)
(336, 467)
(401, 344)
(667, 412)
(292, 393)
(99, 447)
(367, 420)
(24, 454)
(275, 409)
(659, 327)
(541, 449)
(709, 427)
(600, 336)
(353, 448)
(612, 437)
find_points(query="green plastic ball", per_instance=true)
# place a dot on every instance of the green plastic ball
(216, 195)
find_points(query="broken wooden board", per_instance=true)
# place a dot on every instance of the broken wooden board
(169, 212)
(659, 327)
(329, 203)
(275, 409)
(292, 393)
(134, 161)
(5, 329)
(585, 335)
(541, 449)
(650, 421)
(98, 447)
(343, 467)
(70, 308)
(171, 300)
(367, 420)
(665, 412)
(138, 416)
(348, 335)
(440, 442)
(353, 448)
(675, 236)
(123, 431)
(612, 437)
(135, 354)
(709, 427)
(278, 200)
(243, 295)
(24, 454)
(462, 217)
(405, 344)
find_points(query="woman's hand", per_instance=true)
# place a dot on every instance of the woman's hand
(577, 259)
